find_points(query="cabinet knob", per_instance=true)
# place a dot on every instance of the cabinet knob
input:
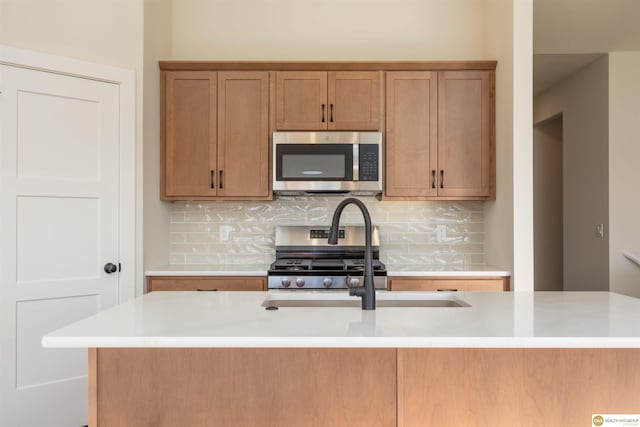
(331, 113)
(323, 113)
(110, 268)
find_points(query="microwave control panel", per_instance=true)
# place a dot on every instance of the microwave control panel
(369, 162)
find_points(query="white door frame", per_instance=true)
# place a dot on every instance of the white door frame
(125, 79)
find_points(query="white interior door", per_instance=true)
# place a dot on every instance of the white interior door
(59, 215)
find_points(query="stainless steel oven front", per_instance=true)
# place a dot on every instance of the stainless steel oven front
(327, 162)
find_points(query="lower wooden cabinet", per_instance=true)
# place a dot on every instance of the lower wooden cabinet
(514, 386)
(360, 387)
(206, 283)
(449, 284)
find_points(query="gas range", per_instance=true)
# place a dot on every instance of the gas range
(305, 260)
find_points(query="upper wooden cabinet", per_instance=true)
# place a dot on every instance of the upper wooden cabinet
(440, 135)
(189, 143)
(412, 134)
(464, 133)
(333, 100)
(438, 119)
(216, 135)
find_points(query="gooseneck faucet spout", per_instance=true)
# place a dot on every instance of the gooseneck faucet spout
(367, 292)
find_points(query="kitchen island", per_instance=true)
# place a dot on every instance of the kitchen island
(222, 358)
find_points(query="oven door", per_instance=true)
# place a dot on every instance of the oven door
(315, 167)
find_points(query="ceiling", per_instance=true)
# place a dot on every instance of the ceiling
(550, 69)
(570, 34)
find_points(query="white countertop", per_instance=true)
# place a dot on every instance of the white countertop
(237, 319)
(392, 270)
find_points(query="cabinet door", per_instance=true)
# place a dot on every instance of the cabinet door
(354, 100)
(243, 134)
(301, 100)
(464, 133)
(202, 283)
(412, 134)
(189, 145)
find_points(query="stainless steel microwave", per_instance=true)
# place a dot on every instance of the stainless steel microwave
(331, 163)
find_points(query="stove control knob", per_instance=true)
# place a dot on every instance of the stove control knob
(286, 283)
(353, 282)
(327, 282)
(299, 282)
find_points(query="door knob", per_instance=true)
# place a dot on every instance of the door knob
(110, 268)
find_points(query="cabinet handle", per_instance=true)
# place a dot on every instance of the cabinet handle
(220, 179)
(213, 178)
(322, 113)
(206, 290)
(447, 290)
(331, 113)
(433, 178)
(441, 178)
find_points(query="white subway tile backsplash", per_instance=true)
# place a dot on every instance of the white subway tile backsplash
(407, 230)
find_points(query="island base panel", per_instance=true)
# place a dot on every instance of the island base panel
(242, 387)
(515, 387)
(357, 387)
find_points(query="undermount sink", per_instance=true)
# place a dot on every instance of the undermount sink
(383, 299)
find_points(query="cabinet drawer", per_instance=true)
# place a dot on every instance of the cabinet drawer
(462, 284)
(191, 283)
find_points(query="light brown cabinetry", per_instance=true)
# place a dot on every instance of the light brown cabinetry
(216, 135)
(514, 386)
(260, 387)
(206, 283)
(189, 143)
(334, 100)
(400, 387)
(412, 134)
(449, 284)
(439, 135)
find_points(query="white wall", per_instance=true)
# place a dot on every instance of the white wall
(102, 31)
(547, 209)
(327, 30)
(583, 100)
(499, 213)
(509, 220)
(156, 215)
(523, 271)
(624, 170)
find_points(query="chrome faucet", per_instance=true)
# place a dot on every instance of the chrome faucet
(367, 292)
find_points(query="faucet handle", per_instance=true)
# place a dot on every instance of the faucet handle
(357, 292)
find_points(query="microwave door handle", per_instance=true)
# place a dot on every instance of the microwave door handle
(356, 162)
